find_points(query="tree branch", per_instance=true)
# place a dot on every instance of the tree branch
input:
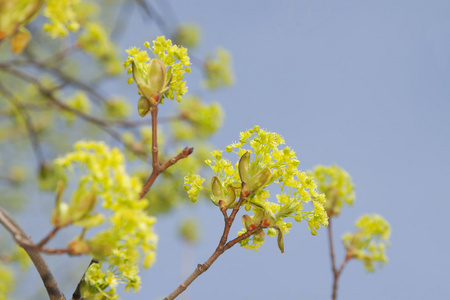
(336, 272)
(221, 248)
(25, 242)
(157, 167)
(101, 123)
(28, 124)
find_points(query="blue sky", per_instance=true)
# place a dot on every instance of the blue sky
(361, 84)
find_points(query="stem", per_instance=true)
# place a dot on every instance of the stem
(48, 237)
(221, 248)
(101, 123)
(24, 241)
(157, 167)
(36, 146)
(77, 293)
(336, 272)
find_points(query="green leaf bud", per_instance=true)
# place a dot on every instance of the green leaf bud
(217, 190)
(19, 40)
(245, 191)
(231, 197)
(91, 221)
(280, 238)
(156, 75)
(81, 205)
(222, 205)
(78, 246)
(141, 83)
(60, 215)
(260, 180)
(248, 222)
(244, 164)
(143, 106)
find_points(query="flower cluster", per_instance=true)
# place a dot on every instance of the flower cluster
(337, 186)
(368, 244)
(128, 238)
(203, 119)
(6, 281)
(95, 40)
(7, 276)
(261, 162)
(62, 17)
(188, 35)
(152, 76)
(80, 101)
(14, 15)
(117, 107)
(219, 72)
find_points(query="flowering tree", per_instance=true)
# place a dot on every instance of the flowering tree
(52, 105)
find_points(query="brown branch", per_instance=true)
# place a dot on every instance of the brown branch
(101, 123)
(221, 248)
(48, 237)
(55, 251)
(25, 242)
(77, 293)
(336, 272)
(28, 124)
(47, 65)
(157, 168)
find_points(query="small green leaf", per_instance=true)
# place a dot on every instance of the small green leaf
(143, 106)
(81, 204)
(60, 215)
(231, 197)
(280, 238)
(156, 75)
(78, 246)
(141, 83)
(217, 190)
(19, 40)
(91, 221)
(261, 179)
(244, 163)
(247, 222)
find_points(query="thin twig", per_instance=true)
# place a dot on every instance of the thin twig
(101, 123)
(157, 168)
(32, 133)
(336, 272)
(25, 242)
(77, 293)
(48, 237)
(221, 248)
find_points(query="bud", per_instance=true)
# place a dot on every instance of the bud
(156, 75)
(60, 215)
(153, 86)
(231, 197)
(143, 106)
(19, 40)
(217, 190)
(244, 164)
(245, 191)
(247, 221)
(81, 204)
(78, 246)
(261, 179)
(280, 238)
(91, 221)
